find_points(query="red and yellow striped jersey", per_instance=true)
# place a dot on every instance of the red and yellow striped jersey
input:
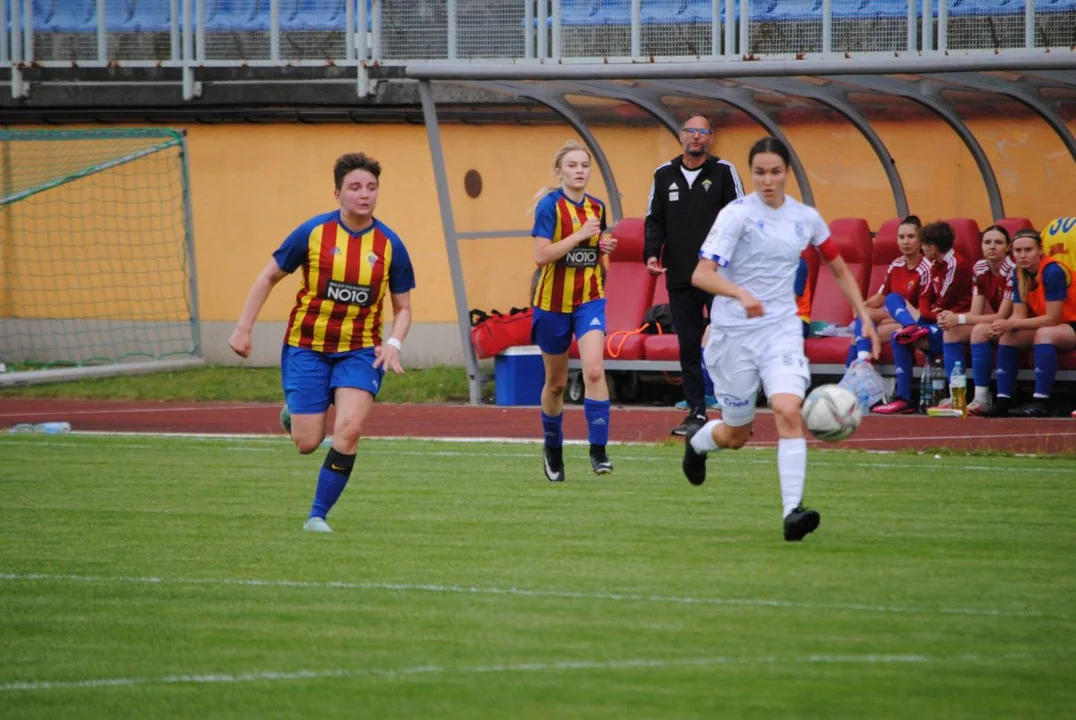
(576, 278)
(345, 275)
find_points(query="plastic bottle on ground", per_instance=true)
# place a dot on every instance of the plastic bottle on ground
(926, 388)
(937, 380)
(53, 428)
(864, 382)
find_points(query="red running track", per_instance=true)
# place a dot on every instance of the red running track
(628, 424)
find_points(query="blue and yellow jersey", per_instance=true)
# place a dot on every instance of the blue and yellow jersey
(344, 280)
(576, 278)
(1059, 240)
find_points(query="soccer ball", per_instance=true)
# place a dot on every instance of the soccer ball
(831, 413)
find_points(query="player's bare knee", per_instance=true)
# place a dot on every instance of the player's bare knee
(594, 375)
(787, 416)
(556, 386)
(1045, 336)
(307, 445)
(347, 436)
(980, 333)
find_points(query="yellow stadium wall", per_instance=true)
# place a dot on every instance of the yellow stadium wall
(252, 184)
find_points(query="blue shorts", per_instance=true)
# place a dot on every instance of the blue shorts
(552, 331)
(309, 377)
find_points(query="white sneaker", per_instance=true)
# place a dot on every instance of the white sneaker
(316, 524)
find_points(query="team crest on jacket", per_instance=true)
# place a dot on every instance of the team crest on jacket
(706, 184)
(371, 258)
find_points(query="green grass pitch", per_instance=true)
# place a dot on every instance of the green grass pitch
(168, 577)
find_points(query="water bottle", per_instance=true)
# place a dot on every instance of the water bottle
(52, 428)
(45, 428)
(937, 381)
(926, 388)
(958, 389)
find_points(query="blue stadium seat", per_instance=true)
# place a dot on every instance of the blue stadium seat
(965, 8)
(874, 9)
(699, 11)
(661, 12)
(1052, 6)
(312, 15)
(237, 16)
(80, 16)
(798, 10)
(612, 12)
(151, 16)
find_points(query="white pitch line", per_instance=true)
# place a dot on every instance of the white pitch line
(530, 667)
(514, 592)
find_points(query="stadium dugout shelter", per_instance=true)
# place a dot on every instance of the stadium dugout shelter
(579, 92)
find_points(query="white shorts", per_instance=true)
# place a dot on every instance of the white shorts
(738, 360)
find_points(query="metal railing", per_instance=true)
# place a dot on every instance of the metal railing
(193, 34)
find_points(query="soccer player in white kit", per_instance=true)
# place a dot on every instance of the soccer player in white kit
(748, 262)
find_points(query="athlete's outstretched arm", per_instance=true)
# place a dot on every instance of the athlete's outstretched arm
(850, 288)
(267, 279)
(707, 278)
(388, 355)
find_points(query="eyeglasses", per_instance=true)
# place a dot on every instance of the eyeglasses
(696, 131)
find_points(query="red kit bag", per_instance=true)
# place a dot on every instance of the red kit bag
(492, 332)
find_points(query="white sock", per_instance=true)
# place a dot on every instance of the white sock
(982, 394)
(792, 469)
(703, 440)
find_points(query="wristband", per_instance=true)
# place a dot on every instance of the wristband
(395, 343)
(961, 319)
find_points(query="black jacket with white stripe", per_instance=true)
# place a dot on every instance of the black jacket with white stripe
(679, 216)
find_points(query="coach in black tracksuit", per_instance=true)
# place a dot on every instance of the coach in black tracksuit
(685, 197)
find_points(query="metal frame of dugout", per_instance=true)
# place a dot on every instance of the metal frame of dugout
(1019, 76)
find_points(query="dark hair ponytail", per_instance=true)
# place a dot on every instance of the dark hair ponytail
(912, 220)
(770, 144)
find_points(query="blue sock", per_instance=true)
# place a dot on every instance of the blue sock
(553, 430)
(897, 307)
(707, 381)
(597, 412)
(853, 351)
(860, 343)
(982, 363)
(1045, 356)
(1008, 359)
(332, 478)
(952, 352)
(903, 359)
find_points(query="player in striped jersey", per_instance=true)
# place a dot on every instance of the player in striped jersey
(991, 299)
(333, 351)
(570, 299)
(1044, 317)
(906, 276)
